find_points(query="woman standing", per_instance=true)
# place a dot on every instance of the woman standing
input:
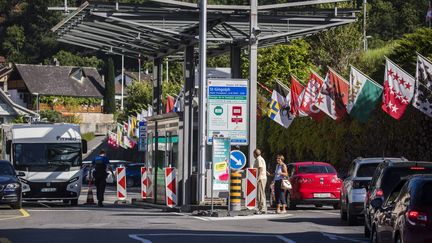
(280, 173)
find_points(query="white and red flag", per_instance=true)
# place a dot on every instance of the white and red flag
(340, 88)
(398, 90)
(325, 101)
(296, 96)
(310, 96)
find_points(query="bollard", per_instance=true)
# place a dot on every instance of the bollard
(235, 191)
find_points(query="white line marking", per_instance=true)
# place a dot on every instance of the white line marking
(57, 210)
(337, 237)
(324, 212)
(244, 217)
(138, 236)
(201, 218)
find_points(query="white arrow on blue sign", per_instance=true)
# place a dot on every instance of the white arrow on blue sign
(237, 160)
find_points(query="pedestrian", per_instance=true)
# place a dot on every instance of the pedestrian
(281, 172)
(100, 164)
(260, 165)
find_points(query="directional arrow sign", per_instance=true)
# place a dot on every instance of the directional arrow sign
(237, 160)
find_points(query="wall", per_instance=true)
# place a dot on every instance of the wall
(97, 123)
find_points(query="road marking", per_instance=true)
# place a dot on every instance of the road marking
(24, 214)
(324, 212)
(43, 204)
(4, 240)
(58, 210)
(138, 237)
(337, 237)
(269, 216)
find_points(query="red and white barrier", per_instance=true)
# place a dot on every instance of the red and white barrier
(150, 183)
(121, 183)
(144, 182)
(171, 187)
(251, 188)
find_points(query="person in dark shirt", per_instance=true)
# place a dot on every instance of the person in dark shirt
(100, 164)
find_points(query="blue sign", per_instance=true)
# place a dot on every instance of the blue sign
(237, 160)
(142, 140)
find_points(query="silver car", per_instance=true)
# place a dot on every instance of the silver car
(354, 188)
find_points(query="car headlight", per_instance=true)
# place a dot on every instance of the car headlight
(13, 186)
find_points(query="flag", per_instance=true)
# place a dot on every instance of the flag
(170, 104)
(423, 92)
(262, 104)
(363, 96)
(149, 110)
(179, 101)
(398, 90)
(280, 105)
(119, 135)
(429, 13)
(112, 140)
(310, 95)
(340, 92)
(296, 96)
(325, 100)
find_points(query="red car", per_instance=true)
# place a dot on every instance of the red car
(313, 183)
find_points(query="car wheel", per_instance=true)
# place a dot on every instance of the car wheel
(17, 205)
(74, 202)
(352, 220)
(343, 214)
(130, 182)
(366, 231)
(290, 204)
(336, 206)
(318, 205)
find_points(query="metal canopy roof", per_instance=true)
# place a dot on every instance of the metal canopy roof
(159, 28)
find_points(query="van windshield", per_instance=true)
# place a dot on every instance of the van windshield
(47, 157)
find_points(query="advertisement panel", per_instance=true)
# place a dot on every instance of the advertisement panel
(220, 158)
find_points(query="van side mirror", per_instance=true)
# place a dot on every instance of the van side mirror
(8, 146)
(20, 174)
(84, 146)
(376, 203)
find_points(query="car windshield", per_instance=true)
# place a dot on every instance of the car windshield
(315, 169)
(393, 175)
(366, 170)
(52, 157)
(6, 169)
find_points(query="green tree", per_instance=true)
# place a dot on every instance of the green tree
(14, 43)
(139, 96)
(109, 97)
(67, 58)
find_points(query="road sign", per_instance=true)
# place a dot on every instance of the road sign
(142, 141)
(220, 158)
(227, 107)
(237, 160)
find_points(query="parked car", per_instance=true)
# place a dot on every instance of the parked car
(353, 191)
(10, 186)
(387, 175)
(406, 214)
(313, 183)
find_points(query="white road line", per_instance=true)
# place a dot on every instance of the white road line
(201, 218)
(323, 212)
(43, 204)
(244, 217)
(139, 236)
(58, 210)
(337, 237)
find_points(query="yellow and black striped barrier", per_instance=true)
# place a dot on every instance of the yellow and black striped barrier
(236, 191)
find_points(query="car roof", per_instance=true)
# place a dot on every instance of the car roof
(407, 163)
(310, 163)
(378, 159)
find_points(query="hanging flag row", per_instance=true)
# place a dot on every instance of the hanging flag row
(336, 97)
(127, 133)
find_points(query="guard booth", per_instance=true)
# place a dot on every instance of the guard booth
(165, 148)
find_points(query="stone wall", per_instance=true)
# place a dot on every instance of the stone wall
(97, 123)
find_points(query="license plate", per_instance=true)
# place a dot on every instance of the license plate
(48, 189)
(322, 195)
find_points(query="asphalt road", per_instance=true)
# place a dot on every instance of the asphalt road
(55, 222)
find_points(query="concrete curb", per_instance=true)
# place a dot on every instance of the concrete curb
(140, 203)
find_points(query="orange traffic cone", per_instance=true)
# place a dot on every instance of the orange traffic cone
(90, 200)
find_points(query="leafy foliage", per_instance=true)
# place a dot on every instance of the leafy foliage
(69, 59)
(138, 98)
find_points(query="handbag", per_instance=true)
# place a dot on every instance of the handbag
(286, 184)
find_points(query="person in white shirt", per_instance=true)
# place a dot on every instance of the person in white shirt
(260, 165)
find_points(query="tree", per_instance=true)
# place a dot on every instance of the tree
(139, 97)
(14, 43)
(109, 98)
(69, 59)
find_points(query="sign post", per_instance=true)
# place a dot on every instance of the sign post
(228, 111)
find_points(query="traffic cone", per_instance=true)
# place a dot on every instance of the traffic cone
(90, 200)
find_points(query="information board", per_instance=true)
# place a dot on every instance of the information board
(220, 157)
(142, 140)
(227, 110)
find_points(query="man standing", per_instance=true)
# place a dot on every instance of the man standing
(100, 164)
(260, 164)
